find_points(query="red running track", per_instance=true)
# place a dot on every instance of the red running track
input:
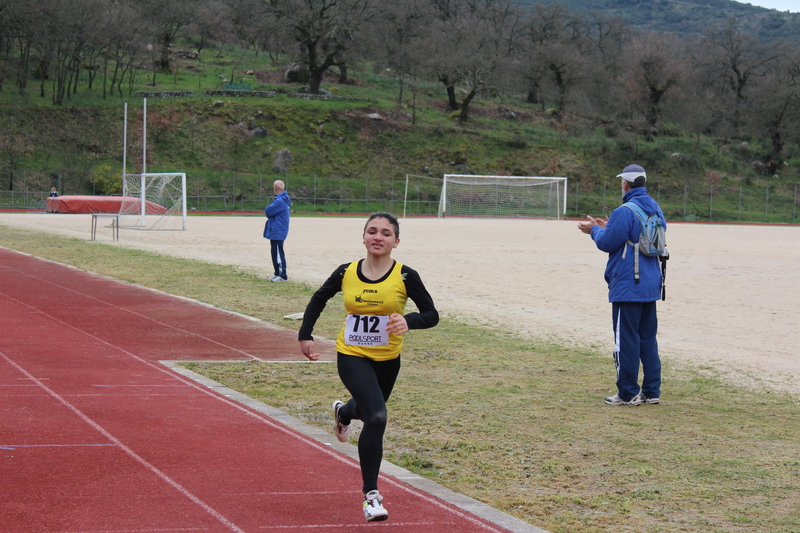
(97, 435)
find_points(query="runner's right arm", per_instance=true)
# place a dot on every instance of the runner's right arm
(318, 301)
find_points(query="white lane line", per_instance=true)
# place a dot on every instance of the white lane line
(145, 317)
(16, 446)
(174, 484)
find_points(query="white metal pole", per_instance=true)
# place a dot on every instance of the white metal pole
(183, 194)
(558, 199)
(405, 197)
(443, 199)
(125, 142)
(144, 162)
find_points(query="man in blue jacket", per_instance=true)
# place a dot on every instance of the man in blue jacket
(277, 228)
(633, 303)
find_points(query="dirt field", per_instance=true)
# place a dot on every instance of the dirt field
(733, 302)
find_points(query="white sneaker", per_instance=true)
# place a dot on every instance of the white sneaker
(341, 431)
(277, 279)
(616, 400)
(373, 507)
(646, 399)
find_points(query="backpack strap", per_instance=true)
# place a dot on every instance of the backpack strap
(639, 212)
(642, 216)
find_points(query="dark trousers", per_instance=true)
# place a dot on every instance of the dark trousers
(635, 328)
(370, 383)
(278, 258)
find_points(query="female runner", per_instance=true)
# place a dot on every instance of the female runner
(368, 347)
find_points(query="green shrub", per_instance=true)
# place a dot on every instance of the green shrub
(105, 181)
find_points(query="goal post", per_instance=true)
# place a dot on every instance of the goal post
(421, 194)
(153, 201)
(477, 196)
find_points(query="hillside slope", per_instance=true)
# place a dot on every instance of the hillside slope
(684, 17)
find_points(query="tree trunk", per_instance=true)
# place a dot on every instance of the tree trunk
(533, 94)
(653, 110)
(462, 118)
(400, 86)
(315, 71)
(105, 76)
(342, 72)
(42, 70)
(163, 61)
(777, 145)
(451, 92)
(451, 97)
(23, 68)
(315, 80)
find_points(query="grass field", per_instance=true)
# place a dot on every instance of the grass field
(512, 422)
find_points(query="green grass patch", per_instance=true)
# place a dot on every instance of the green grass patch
(512, 421)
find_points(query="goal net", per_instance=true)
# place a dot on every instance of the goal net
(153, 201)
(503, 197)
(421, 195)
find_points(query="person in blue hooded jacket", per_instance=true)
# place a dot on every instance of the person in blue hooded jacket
(633, 303)
(277, 229)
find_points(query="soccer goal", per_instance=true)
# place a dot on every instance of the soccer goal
(421, 195)
(503, 197)
(153, 201)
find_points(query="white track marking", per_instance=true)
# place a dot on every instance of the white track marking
(174, 484)
(145, 317)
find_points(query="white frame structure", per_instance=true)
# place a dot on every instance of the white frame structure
(138, 208)
(405, 192)
(560, 191)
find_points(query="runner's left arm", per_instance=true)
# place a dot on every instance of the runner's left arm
(428, 316)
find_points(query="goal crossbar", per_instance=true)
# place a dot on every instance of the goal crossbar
(466, 195)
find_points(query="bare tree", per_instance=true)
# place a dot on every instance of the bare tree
(607, 39)
(557, 56)
(213, 21)
(122, 45)
(728, 64)
(324, 30)
(656, 69)
(18, 38)
(64, 35)
(774, 109)
(7, 15)
(166, 19)
(396, 37)
(14, 145)
(472, 47)
(437, 43)
(260, 32)
(543, 59)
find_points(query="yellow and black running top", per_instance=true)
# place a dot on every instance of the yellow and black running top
(368, 304)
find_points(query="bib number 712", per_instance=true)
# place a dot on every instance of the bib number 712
(366, 330)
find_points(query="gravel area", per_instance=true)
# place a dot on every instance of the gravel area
(732, 304)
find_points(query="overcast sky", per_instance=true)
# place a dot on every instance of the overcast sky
(780, 5)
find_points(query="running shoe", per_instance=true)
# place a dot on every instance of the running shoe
(645, 399)
(616, 400)
(341, 431)
(277, 279)
(373, 507)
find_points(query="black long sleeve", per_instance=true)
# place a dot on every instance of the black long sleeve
(428, 316)
(318, 302)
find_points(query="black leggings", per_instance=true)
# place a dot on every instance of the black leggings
(370, 383)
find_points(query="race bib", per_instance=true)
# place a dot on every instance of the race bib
(366, 330)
